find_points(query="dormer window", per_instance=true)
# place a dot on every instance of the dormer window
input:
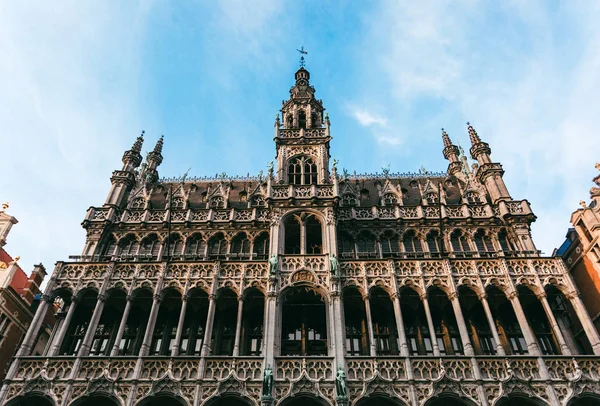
(302, 171)
(431, 198)
(348, 200)
(472, 197)
(138, 203)
(178, 203)
(217, 202)
(390, 199)
(258, 201)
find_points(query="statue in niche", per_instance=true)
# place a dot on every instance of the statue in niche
(334, 264)
(273, 261)
(267, 384)
(340, 383)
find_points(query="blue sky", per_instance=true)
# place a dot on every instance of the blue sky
(80, 80)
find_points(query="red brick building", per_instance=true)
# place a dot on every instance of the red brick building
(19, 297)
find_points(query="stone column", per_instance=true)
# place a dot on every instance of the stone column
(145, 348)
(84, 350)
(238, 326)
(175, 349)
(35, 326)
(492, 323)
(373, 346)
(270, 323)
(532, 344)
(338, 322)
(433, 338)
(65, 326)
(115, 350)
(564, 349)
(462, 327)
(209, 326)
(400, 324)
(586, 322)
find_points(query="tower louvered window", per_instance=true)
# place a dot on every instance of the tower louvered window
(302, 171)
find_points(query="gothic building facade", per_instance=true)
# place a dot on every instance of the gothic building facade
(307, 286)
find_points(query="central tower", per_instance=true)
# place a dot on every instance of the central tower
(302, 138)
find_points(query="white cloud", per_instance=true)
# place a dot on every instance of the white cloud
(67, 112)
(366, 118)
(531, 94)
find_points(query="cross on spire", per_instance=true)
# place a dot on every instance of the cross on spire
(302, 53)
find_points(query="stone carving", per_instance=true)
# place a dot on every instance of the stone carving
(267, 385)
(340, 383)
(334, 264)
(273, 262)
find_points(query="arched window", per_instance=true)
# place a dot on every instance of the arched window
(348, 200)
(384, 323)
(355, 320)
(240, 246)
(165, 328)
(412, 244)
(252, 324)
(389, 244)
(195, 247)
(175, 244)
(292, 235)
(314, 236)
(472, 197)
(301, 119)
(315, 120)
(110, 247)
(138, 203)
(150, 247)
(109, 322)
(346, 245)
(225, 322)
(290, 121)
(459, 242)
(261, 246)
(504, 241)
(390, 199)
(194, 323)
(217, 247)
(434, 242)
(80, 322)
(128, 247)
(302, 171)
(258, 201)
(367, 245)
(304, 330)
(217, 202)
(483, 242)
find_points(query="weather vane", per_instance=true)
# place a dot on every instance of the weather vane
(302, 53)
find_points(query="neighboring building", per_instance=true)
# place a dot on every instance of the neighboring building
(19, 297)
(193, 291)
(581, 252)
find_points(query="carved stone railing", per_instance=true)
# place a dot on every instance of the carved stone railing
(463, 211)
(302, 132)
(316, 368)
(219, 368)
(136, 216)
(302, 191)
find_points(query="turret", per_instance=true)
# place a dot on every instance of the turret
(123, 180)
(451, 154)
(154, 159)
(489, 173)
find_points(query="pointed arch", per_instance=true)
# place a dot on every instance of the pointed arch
(195, 247)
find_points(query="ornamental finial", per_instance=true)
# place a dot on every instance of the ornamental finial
(473, 134)
(446, 138)
(302, 53)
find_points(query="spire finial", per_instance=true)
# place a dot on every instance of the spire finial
(159, 145)
(446, 138)
(302, 53)
(137, 145)
(473, 134)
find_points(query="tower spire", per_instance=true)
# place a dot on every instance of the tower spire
(451, 154)
(154, 159)
(473, 134)
(132, 158)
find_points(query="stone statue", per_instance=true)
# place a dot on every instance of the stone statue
(267, 385)
(340, 383)
(273, 261)
(334, 165)
(334, 264)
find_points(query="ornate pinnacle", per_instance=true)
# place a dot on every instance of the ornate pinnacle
(446, 139)
(159, 145)
(137, 145)
(473, 134)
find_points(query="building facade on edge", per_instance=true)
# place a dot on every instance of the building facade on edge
(308, 286)
(19, 297)
(581, 252)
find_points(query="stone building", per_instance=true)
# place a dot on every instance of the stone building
(581, 252)
(308, 286)
(19, 297)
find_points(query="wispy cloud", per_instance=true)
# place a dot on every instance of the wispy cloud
(366, 118)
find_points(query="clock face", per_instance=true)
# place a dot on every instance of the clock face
(302, 82)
